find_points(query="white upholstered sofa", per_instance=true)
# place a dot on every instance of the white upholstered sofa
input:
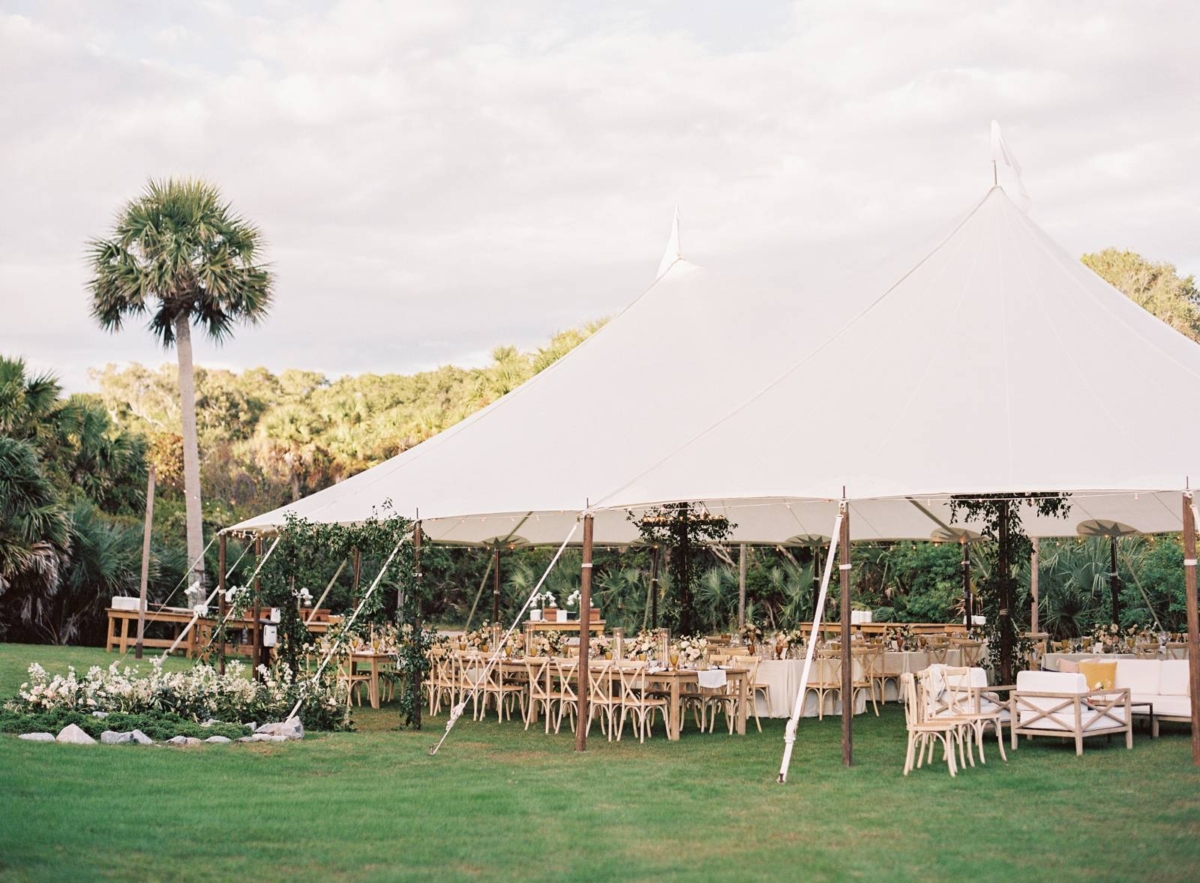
(1162, 682)
(1048, 703)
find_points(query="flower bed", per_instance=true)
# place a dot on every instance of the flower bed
(199, 694)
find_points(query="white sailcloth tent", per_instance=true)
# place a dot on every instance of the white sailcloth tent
(997, 363)
(991, 362)
(692, 346)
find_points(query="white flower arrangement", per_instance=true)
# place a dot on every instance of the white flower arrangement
(692, 649)
(643, 644)
(545, 599)
(574, 598)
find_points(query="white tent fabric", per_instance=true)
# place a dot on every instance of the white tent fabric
(693, 345)
(997, 364)
(994, 362)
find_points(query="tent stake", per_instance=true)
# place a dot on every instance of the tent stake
(585, 627)
(1193, 618)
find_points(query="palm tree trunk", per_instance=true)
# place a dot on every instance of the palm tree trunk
(191, 445)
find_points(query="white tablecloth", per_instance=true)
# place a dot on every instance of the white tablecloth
(782, 677)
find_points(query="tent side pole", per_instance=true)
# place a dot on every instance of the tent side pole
(1193, 618)
(256, 648)
(487, 571)
(1114, 582)
(138, 647)
(789, 736)
(741, 585)
(496, 584)
(965, 566)
(415, 686)
(221, 614)
(656, 555)
(1034, 566)
(585, 625)
(847, 655)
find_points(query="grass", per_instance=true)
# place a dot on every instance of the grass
(500, 803)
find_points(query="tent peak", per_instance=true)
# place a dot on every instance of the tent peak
(673, 253)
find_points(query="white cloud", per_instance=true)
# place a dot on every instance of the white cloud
(434, 178)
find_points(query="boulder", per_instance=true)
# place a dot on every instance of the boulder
(263, 737)
(218, 740)
(289, 729)
(100, 714)
(137, 737)
(183, 740)
(73, 735)
(37, 737)
(111, 737)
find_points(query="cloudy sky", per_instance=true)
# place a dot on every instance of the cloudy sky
(435, 178)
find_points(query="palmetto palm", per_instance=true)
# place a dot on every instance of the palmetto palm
(180, 256)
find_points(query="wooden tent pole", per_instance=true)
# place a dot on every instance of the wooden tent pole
(257, 647)
(487, 571)
(1114, 582)
(141, 629)
(1035, 565)
(741, 585)
(847, 656)
(355, 578)
(221, 603)
(496, 584)
(1193, 619)
(968, 601)
(585, 609)
(655, 555)
(415, 686)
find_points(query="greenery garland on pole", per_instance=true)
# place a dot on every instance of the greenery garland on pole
(683, 529)
(1000, 522)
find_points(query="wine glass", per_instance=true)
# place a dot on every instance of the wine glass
(674, 657)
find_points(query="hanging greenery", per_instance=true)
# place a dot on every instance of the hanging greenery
(683, 529)
(306, 555)
(999, 518)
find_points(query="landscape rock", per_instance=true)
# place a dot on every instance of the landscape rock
(218, 740)
(37, 737)
(289, 729)
(111, 737)
(73, 735)
(140, 738)
(263, 737)
(183, 740)
(100, 714)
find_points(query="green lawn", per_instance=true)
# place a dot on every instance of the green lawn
(500, 803)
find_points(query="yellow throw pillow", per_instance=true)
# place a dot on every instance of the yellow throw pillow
(1100, 675)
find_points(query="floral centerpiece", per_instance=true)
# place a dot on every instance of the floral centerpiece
(1106, 637)
(785, 639)
(540, 600)
(514, 644)
(691, 648)
(600, 646)
(548, 643)
(750, 634)
(642, 646)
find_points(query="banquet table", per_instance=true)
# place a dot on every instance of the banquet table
(373, 659)
(1050, 660)
(782, 679)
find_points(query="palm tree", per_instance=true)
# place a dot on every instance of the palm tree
(34, 527)
(180, 255)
